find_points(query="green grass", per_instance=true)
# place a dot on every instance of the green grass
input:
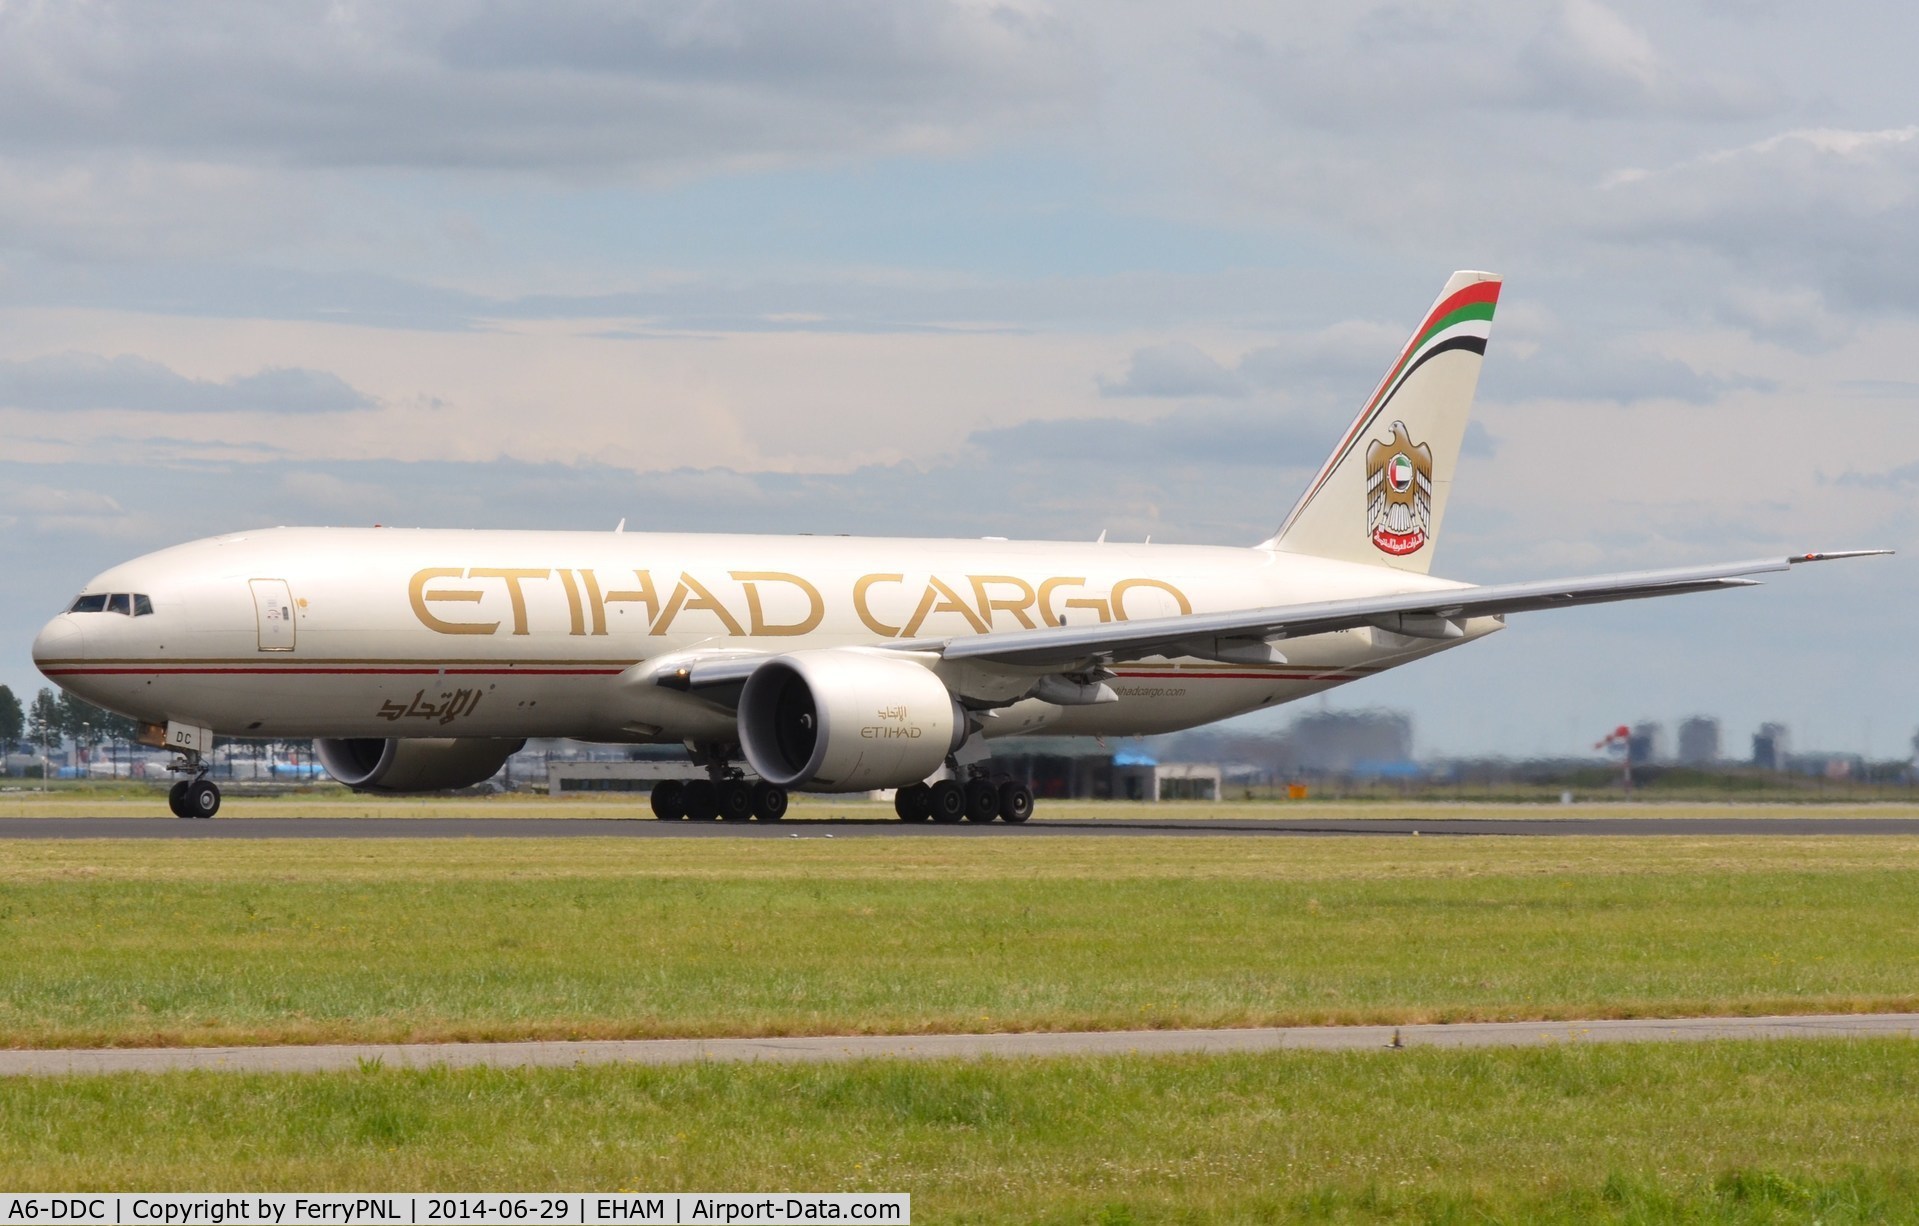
(1781, 1131)
(138, 942)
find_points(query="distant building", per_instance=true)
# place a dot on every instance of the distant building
(1350, 742)
(1073, 770)
(564, 775)
(1646, 745)
(1190, 781)
(1067, 768)
(1699, 741)
(1770, 745)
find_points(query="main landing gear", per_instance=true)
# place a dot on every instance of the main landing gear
(724, 795)
(703, 800)
(195, 796)
(979, 799)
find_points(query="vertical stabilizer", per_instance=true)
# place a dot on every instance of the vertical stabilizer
(1380, 496)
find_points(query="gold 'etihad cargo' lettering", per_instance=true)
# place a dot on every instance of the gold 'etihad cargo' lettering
(764, 603)
(420, 596)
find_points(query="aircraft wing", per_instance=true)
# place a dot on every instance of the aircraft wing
(1422, 614)
(1248, 634)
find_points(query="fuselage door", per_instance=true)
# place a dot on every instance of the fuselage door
(273, 606)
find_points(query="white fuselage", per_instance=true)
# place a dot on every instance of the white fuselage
(379, 632)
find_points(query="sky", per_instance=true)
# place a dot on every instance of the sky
(972, 268)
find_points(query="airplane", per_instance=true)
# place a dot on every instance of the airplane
(419, 659)
(281, 768)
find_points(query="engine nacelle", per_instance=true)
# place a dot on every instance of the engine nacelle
(428, 764)
(842, 720)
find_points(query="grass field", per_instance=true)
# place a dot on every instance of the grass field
(113, 942)
(1754, 1131)
(131, 942)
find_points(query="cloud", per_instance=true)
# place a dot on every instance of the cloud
(1619, 370)
(1259, 433)
(1337, 366)
(71, 382)
(1478, 441)
(338, 498)
(1587, 59)
(446, 164)
(1347, 358)
(1251, 434)
(1806, 217)
(591, 89)
(1790, 316)
(1899, 477)
(142, 208)
(1342, 360)
(85, 510)
(1350, 66)
(1176, 368)
(34, 499)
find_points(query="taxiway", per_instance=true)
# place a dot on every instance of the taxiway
(816, 1049)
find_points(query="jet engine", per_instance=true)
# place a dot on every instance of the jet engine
(428, 764)
(843, 720)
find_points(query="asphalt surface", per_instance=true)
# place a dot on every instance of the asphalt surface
(949, 1046)
(813, 828)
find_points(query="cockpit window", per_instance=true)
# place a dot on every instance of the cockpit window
(132, 604)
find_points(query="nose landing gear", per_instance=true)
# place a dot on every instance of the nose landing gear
(197, 796)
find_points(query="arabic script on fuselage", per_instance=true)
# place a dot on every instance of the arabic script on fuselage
(444, 708)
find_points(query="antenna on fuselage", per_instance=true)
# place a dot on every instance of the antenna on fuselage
(621, 526)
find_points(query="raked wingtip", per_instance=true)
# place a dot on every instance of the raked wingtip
(1841, 553)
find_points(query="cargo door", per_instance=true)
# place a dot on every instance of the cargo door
(273, 609)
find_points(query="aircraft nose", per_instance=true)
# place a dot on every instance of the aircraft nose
(59, 639)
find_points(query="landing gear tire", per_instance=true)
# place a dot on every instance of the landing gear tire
(914, 803)
(735, 800)
(946, 802)
(668, 800)
(701, 800)
(177, 799)
(1015, 802)
(982, 800)
(202, 799)
(769, 802)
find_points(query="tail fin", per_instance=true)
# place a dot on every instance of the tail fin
(1380, 496)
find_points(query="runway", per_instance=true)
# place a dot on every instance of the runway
(949, 1046)
(843, 828)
